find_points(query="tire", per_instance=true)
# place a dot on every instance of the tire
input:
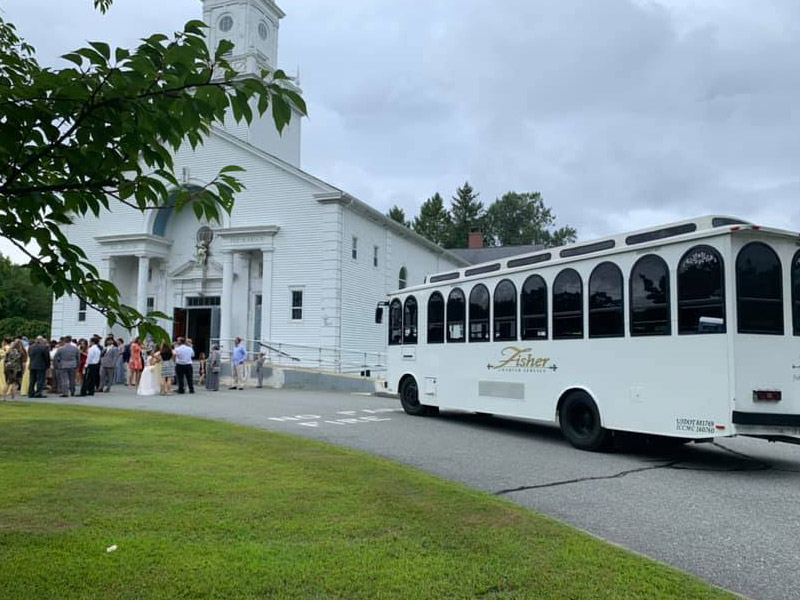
(409, 398)
(581, 425)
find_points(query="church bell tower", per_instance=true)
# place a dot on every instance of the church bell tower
(252, 26)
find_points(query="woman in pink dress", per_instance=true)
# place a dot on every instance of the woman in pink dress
(136, 365)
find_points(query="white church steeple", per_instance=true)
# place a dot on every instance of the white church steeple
(252, 26)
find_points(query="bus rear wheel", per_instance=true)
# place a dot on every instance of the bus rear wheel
(580, 423)
(409, 398)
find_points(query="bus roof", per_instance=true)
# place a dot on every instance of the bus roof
(652, 236)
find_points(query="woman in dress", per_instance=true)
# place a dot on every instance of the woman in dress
(83, 348)
(136, 364)
(212, 369)
(26, 370)
(149, 379)
(167, 369)
(13, 364)
(3, 349)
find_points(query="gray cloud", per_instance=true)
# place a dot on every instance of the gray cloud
(623, 113)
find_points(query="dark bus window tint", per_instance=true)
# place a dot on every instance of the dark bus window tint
(759, 290)
(534, 309)
(395, 323)
(606, 318)
(410, 321)
(701, 292)
(796, 293)
(435, 318)
(479, 314)
(649, 297)
(505, 311)
(456, 316)
(568, 306)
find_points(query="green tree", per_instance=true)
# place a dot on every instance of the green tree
(19, 327)
(399, 215)
(102, 134)
(19, 296)
(434, 221)
(467, 214)
(523, 218)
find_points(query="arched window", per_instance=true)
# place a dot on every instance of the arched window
(701, 291)
(435, 318)
(759, 290)
(403, 278)
(456, 316)
(505, 311)
(650, 304)
(606, 316)
(395, 323)
(410, 321)
(534, 309)
(479, 314)
(568, 306)
(796, 293)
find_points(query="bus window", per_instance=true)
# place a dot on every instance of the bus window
(435, 318)
(395, 323)
(796, 293)
(701, 292)
(759, 290)
(605, 302)
(456, 316)
(505, 311)
(568, 306)
(534, 308)
(479, 314)
(410, 321)
(650, 305)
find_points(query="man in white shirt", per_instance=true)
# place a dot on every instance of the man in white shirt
(183, 365)
(92, 376)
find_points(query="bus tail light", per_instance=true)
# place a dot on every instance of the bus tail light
(766, 395)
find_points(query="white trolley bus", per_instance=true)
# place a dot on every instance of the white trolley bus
(690, 330)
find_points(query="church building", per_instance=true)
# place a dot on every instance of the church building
(298, 261)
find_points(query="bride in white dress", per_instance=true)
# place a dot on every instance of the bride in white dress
(150, 381)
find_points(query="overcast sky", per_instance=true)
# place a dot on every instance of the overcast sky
(622, 113)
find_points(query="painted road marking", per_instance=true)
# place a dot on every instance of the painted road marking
(349, 417)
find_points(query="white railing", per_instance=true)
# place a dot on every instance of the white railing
(367, 363)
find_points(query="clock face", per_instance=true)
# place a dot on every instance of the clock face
(226, 23)
(263, 31)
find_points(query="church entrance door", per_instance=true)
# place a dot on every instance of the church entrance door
(198, 328)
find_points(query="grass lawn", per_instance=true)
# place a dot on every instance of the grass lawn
(201, 509)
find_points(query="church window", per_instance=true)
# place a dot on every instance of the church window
(226, 23)
(375, 256)
(82, 310)
(355, 248)
(151, 303)
(263, 31)
(403, 278)
(297, 305)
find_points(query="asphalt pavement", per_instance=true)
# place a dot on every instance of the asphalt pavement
(727, 511)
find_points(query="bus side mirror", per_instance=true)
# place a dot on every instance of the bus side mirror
(379, 314)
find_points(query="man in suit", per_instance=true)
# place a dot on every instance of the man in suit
(91, 378)
(67, 358)
(39, 357)
(108, 363)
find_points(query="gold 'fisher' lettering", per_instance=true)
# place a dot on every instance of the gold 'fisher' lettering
(520, 358)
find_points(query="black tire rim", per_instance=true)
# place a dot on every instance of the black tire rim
(410, 395)
(581, 420)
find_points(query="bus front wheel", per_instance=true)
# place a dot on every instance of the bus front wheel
(580, 423)
(409, 398)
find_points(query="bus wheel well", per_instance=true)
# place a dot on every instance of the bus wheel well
(564, 397)
(403, 380)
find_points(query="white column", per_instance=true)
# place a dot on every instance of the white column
(266, 295)
(141, 284)
(226, 314)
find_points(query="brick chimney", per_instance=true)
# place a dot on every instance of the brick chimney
(475, 239)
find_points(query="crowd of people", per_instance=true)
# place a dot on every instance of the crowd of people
(70, 367)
